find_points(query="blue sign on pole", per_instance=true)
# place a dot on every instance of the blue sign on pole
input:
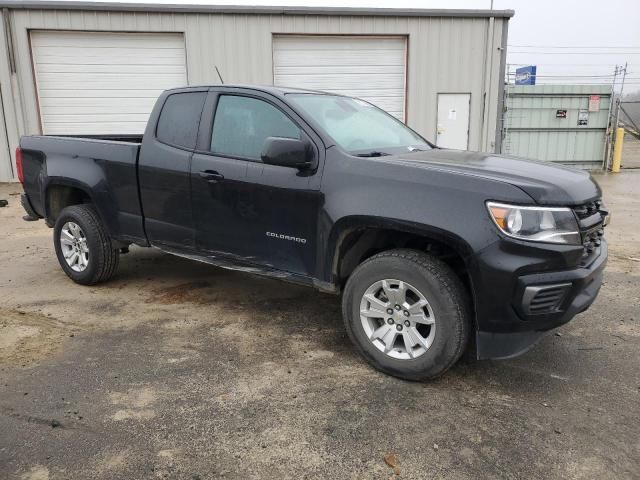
(526, 75)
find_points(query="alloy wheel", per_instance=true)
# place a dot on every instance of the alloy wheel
(74, 246)
(397, 319)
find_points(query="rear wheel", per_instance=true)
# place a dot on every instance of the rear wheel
(83, 246)
(407, 313)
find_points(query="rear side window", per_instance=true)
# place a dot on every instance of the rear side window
(180, 118)
(242, 124)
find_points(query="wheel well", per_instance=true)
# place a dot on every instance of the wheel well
(360, 244)
(62, 196)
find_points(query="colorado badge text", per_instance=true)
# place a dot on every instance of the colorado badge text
(287, 237)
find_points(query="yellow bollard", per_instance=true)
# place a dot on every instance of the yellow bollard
(617, 150)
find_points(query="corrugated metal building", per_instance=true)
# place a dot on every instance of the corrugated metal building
(558, 123)
(93, 68)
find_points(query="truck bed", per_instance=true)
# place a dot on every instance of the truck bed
(102, 166)
(127, 138)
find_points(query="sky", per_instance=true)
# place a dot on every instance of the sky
(570, 41)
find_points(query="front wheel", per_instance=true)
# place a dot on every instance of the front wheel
(407, 313)
(83, 246)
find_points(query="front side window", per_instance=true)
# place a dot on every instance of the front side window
(180, 118)
(242, 124)
(358, 126)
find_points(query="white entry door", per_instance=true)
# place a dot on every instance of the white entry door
(371, 68)
(452, 130)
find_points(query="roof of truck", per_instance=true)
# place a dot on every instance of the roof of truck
(261, 88)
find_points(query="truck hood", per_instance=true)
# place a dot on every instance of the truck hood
(546, 183)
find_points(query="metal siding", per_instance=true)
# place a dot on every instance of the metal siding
(493, 87)
(6, 171)
(533, 131)
(445, 54)
(581, 147)
(250, 9)
(10, 106)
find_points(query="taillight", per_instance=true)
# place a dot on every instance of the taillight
(19, 164)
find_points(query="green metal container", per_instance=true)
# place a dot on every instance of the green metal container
(557, 123)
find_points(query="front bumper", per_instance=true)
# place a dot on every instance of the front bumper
(512, 328)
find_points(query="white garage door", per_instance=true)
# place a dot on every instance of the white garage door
(103, 83)
(371, 68)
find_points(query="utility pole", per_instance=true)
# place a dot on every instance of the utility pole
(624, 75)
(623, 71)
(610, 125)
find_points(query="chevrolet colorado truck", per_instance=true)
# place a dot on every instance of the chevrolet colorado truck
(435, 252)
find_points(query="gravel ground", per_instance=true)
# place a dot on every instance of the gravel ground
(630, 152)
(180, 370)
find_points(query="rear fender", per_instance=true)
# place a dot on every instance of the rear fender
(52, 209)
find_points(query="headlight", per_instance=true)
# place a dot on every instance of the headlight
(536, 224)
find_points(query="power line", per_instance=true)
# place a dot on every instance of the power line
(590, 75)
(567, 76)
(633, 86)
(512, 72)
(575, 46)
(566, 82)
(603, 81)
(569, 64)
(578, 53)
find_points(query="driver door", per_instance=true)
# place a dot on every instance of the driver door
(264, 214)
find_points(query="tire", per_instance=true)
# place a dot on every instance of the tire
(424, 277)
(101, 257)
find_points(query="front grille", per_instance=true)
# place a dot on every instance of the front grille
(544, 299)
(591, 241)
(588, 209)
(591, 218)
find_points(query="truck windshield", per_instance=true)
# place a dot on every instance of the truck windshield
(358, 126)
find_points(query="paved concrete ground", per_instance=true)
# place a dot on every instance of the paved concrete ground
(630, 152)
(180, 370)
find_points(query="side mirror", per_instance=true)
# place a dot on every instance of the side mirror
(287, 152)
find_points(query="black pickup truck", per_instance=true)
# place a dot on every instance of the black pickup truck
(434, 251)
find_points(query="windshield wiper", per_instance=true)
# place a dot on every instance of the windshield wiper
(374, 153)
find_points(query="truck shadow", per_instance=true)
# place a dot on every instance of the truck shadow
(289, 311)
(262, 302)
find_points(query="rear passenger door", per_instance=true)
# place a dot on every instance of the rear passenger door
(164, 168)
(265, 214)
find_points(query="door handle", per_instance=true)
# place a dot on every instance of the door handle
(211, 176)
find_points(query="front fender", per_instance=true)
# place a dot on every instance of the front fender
(346, 225)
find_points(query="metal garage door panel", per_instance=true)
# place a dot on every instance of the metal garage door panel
(103, 83)
(371, 68)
